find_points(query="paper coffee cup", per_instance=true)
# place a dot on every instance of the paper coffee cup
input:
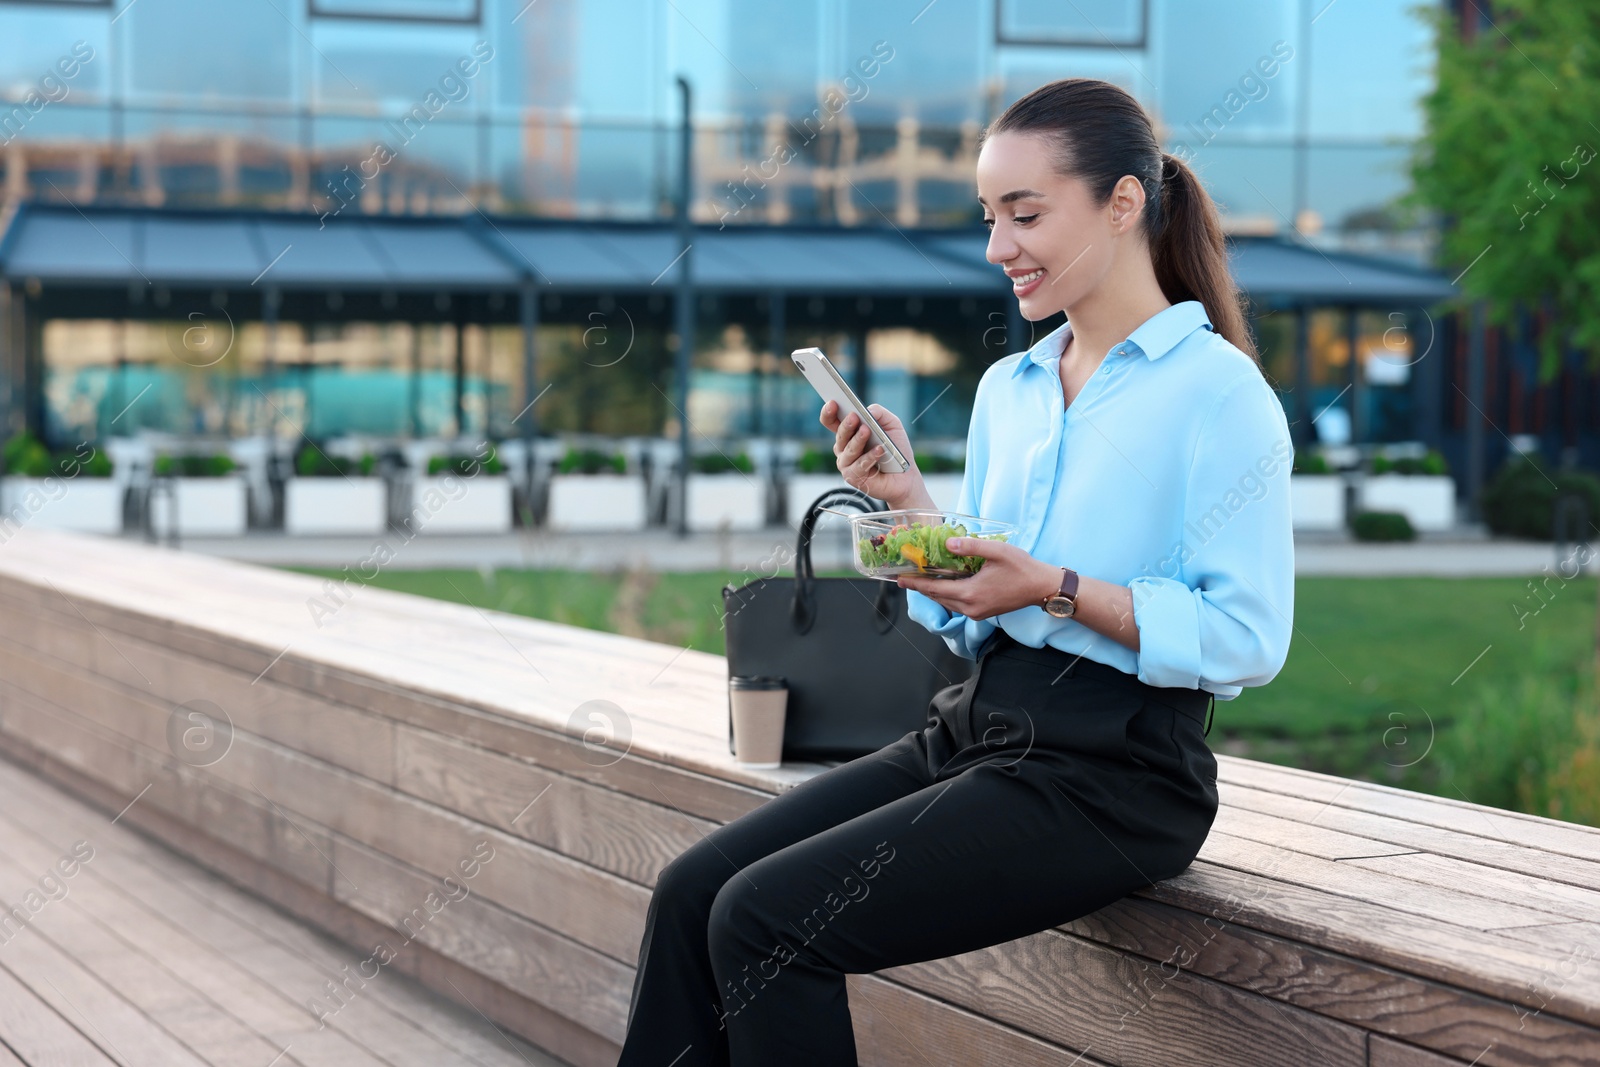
(759, 703)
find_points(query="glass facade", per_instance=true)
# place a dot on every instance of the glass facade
(1298, 115)
(1294, 112)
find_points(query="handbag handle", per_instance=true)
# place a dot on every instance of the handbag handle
(802, 607)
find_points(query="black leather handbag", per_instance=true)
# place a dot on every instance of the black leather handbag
(860, 672)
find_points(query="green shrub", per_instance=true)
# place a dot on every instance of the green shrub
(193, 466)
(1528, 742)
(25, 456)
(1308, 462)
(718, 463)
(1431, 463)
(467, 466)
(816, 461)
(938, 463)
(98, 465)
(591, 461)
(1382, 526)
(312, 462)
(1519, 501)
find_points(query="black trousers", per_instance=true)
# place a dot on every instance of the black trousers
(1043, 788)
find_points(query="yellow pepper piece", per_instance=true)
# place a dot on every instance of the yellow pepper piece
(915, 555)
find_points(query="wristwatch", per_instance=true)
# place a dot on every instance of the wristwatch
(1062, 603)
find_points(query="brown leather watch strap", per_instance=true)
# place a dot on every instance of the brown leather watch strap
(1069, 587)
(1069, 584)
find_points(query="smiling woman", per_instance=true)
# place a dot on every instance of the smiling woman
(1072, 767)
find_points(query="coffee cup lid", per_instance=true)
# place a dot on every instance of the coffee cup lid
(756, 681)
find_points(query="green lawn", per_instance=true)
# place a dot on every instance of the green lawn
(1464, 687)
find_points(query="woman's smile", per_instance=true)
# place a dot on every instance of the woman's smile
(1023, 283)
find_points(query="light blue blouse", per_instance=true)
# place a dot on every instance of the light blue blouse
(1169, 474)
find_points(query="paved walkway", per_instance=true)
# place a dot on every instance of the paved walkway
(1469, 552)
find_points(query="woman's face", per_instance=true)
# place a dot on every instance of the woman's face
(1053, 226)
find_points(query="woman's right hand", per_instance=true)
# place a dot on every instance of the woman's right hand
(857, 455)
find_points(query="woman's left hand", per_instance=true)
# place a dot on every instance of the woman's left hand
(1009, 579)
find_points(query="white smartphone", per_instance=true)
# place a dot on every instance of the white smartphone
(828, 383)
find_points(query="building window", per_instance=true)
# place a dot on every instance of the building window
(469, 11)
(1096, 23)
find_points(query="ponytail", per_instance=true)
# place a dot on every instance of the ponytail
(1100, 134)
(1190, 256)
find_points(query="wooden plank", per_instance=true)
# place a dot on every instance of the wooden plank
(596, 909)
(1083, 995)
(1494, 965)
(183, 793)
(1164, 941)
(1492, 824)
(581, 984)
(1560, 901)
(676, 783)
(477, 993)
(167, 949)
(40, 1036)
(459, 641)
(234, 923)
(617, 832)
(1408, 835)
(215, 1036)
(596, 825)
(898, 1027)
(1282, 863)
(1387, 1053)
(80, 996)
(390, 1034)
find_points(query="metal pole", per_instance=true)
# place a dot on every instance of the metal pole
(1302, 376)
(269, 369)
(460, 372)
(779, 330)
(1353, 336)
(530, 351)
(7, 355)
(685, 305)
(1475, 384)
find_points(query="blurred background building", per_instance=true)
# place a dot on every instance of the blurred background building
(141, 193)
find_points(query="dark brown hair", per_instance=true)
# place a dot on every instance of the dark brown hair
(1101, 133)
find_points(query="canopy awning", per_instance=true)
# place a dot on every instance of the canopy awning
(97, 246)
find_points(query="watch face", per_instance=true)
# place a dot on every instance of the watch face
(1059, 606)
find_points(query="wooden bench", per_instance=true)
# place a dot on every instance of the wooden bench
(1326, 921)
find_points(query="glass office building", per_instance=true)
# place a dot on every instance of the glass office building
(1294, 111)
(1297, 113)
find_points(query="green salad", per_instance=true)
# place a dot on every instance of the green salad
(920, 547)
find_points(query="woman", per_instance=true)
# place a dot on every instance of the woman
(1146, 464)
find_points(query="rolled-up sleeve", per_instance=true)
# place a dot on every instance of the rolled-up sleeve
(1217, 616)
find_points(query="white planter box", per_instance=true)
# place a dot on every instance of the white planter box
(87, 505)
(945, 490)
(335, 506)
(454, 503)
(596, 502)
(207, 507)
(1317, 501)
(801, 489)
(1427, 500)
(737, 499)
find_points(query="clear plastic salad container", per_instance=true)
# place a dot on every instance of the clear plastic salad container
(912, 541)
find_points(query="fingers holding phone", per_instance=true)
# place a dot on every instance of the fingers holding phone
(857, 454)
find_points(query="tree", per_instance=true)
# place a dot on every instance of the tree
(1511, 161)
